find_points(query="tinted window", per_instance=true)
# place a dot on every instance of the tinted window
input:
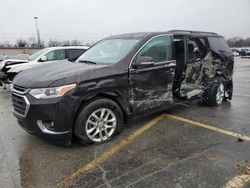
(73, 54)
(218, 44)
(159, 48)
(197, 48)
(56, 55)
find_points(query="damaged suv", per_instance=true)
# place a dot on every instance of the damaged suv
(122, 76)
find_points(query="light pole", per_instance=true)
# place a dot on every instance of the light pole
(37, 32)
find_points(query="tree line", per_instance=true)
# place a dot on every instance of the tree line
(238, 42)
(31, 42)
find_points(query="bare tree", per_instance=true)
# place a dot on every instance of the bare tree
(21, 43)
(42, 44)
(53, 43)
(66, 43)
(32, 42)
(7, 44)
(238, 42)
(75, 42)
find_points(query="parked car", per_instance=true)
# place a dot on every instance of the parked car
(11, 67)
(119, 77)
(236, 52)
(2, 57)
(244, 51)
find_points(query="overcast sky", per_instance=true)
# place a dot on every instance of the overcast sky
(88, 20)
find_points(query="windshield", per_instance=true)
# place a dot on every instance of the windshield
(37, 54)
(108, 51)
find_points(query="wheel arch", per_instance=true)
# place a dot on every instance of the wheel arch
(118, 99)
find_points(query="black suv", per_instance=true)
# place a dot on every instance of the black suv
(122, 76)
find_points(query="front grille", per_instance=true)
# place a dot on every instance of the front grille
(19, 104)
(19, 88)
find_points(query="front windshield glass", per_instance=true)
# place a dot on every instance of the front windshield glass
(37, 54)
(108, 51)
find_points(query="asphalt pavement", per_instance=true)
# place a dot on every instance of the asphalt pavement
(209, 147)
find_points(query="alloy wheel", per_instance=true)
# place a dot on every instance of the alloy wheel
(220, 93)
(101, 125)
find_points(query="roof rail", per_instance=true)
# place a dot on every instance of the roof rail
(190, 31)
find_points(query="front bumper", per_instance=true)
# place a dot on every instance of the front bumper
(51, 119)
(3, 76)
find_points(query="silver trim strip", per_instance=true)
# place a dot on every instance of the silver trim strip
(145, 45)
(27, 105)
(46, 131)
(19, 92)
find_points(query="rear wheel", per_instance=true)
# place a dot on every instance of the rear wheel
(99, 121)
(214, 95)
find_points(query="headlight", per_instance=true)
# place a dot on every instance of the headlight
(52, 92)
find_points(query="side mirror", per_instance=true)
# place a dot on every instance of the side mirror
(143, 61)
(43, 59)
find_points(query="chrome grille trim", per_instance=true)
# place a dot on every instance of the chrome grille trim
(16, 105)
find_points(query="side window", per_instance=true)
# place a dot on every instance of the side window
(56, 55)
(73, 54)
(218, 44)
(197, 48)
(159, 48)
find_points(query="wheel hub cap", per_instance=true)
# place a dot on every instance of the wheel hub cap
(101, 125)
(220, 93)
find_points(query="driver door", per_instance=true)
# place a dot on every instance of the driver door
(150, 85)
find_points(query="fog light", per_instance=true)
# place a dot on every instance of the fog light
(48, 124)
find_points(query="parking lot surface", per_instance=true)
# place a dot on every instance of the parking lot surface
(187, 146)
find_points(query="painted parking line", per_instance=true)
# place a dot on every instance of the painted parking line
(68, 181)
(206, 126)
(238, 181)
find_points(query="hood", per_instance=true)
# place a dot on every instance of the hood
(11, 62)
(15, 60)
(16, 68)
(55, 74)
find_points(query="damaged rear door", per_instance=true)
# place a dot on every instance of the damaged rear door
(198, 67)
(151, 75)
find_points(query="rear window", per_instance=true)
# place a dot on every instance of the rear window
(218, 44)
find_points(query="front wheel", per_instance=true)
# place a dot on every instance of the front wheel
(99, 121)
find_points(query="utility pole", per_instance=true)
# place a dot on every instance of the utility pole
(37, 32)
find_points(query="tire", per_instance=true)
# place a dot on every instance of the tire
(98, 121)
(214, 95)
(229, 90)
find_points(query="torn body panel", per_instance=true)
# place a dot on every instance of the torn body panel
(151, 88)
(202, 72)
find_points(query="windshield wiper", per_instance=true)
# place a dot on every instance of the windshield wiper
(88, 62)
